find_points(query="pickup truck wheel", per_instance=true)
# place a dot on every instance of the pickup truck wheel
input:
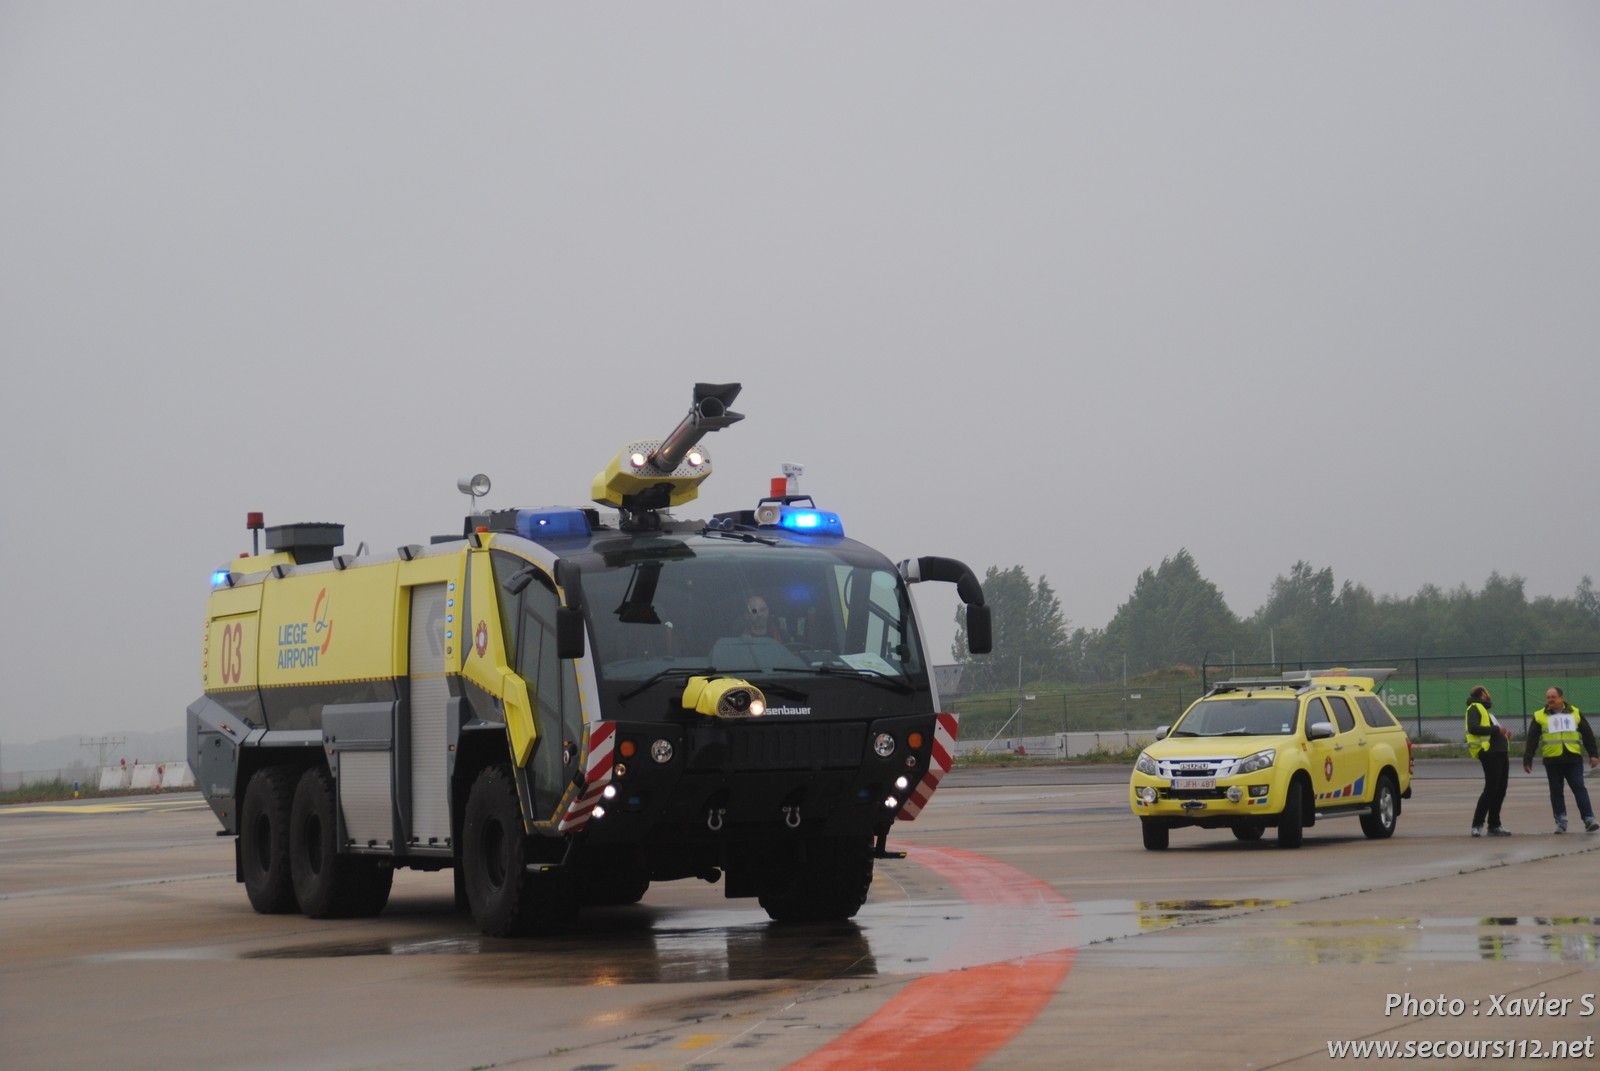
(1156, 833)
(1291, 823)
(1385, 810)
(264, 840)
(1249, 831)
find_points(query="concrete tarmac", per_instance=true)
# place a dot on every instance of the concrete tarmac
(1028, 928)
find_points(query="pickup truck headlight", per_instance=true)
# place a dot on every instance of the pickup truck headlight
(1261, 760)
(1146, 765)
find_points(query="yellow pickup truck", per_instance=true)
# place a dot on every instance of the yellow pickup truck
(1276, 752)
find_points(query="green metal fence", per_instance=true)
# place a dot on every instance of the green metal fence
(1428, 694)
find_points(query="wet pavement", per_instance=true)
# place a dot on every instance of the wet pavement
(125, 938)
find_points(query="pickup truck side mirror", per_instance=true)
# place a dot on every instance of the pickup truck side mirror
(1319, 730)
(1162, 731)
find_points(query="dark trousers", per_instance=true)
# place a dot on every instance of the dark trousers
(1568, 769)
(1496, 770)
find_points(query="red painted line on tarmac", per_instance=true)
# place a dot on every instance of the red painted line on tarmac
(955, 1020)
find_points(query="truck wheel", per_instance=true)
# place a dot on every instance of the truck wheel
(1385, 810)
(506, 901)
(324, 880)
(830, 883)
(1156, 833)
(1249, 831)
(264, 840)
(1292, 822)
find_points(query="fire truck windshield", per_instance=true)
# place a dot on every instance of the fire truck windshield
(751, 610)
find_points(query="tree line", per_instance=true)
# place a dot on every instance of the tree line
(1176, 617)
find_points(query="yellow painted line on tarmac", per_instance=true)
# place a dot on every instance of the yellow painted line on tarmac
(699, 1041)
(105, 808)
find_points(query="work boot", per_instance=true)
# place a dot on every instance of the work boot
(1499, 831)
(1477, 831)
(1561, 825)
(1591, 826)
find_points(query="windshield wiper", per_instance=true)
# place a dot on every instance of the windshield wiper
(1184, 732)
(670, 671)
(1236, 732)
(743, 537)
(877, 677)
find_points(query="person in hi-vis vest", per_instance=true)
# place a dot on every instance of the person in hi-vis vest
(1561, 734)
(1487, 742)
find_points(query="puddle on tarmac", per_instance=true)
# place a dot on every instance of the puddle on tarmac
(1300, 942)
(642, 944)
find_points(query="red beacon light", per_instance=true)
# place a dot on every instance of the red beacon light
(255, 520)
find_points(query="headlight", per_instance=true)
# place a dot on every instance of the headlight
(1259, 761)
(661, 751)
(1147, 765)
(883, 744)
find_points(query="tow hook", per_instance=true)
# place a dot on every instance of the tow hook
(714, 818)
(791, 816)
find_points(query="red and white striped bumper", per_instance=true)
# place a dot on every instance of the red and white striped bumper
(939, 763)
(596, 776)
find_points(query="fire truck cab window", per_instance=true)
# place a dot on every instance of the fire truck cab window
(692, 609)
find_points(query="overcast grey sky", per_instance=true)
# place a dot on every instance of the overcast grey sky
(1046, 284)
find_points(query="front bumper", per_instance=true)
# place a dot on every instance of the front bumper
(744, 780)
(1261, 795)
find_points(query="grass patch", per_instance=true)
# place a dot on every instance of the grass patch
(56, 790)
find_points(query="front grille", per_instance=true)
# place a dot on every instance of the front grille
(757, 746)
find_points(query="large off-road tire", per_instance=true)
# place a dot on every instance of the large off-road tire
(1379, 824)
(1157, 834)
(828, 881)
(1249, 831)
(1292, 822)
(264, 840)
(325, 882)
(505, 900)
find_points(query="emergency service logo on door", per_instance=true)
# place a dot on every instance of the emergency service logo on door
(480, 638)
(1327, 769)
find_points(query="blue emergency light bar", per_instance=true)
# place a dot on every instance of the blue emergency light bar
(552, 523)
(811, 521)
(220, 578)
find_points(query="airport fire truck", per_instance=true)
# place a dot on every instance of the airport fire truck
(563, 705)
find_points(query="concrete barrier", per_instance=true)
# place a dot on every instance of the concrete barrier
(114, 777)
(145, 775)
(177, 775)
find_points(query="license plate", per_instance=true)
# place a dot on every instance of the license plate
(1194, 782)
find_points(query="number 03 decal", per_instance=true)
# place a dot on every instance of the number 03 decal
(233, 653)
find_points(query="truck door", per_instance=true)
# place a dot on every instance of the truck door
(430, 698)
(530, 620)
(1352, 753)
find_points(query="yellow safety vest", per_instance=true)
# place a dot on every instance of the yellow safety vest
(1477, 743)
(1559, 732)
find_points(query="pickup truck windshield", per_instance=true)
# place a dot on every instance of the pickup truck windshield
(1238, 717)
(748, 609)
